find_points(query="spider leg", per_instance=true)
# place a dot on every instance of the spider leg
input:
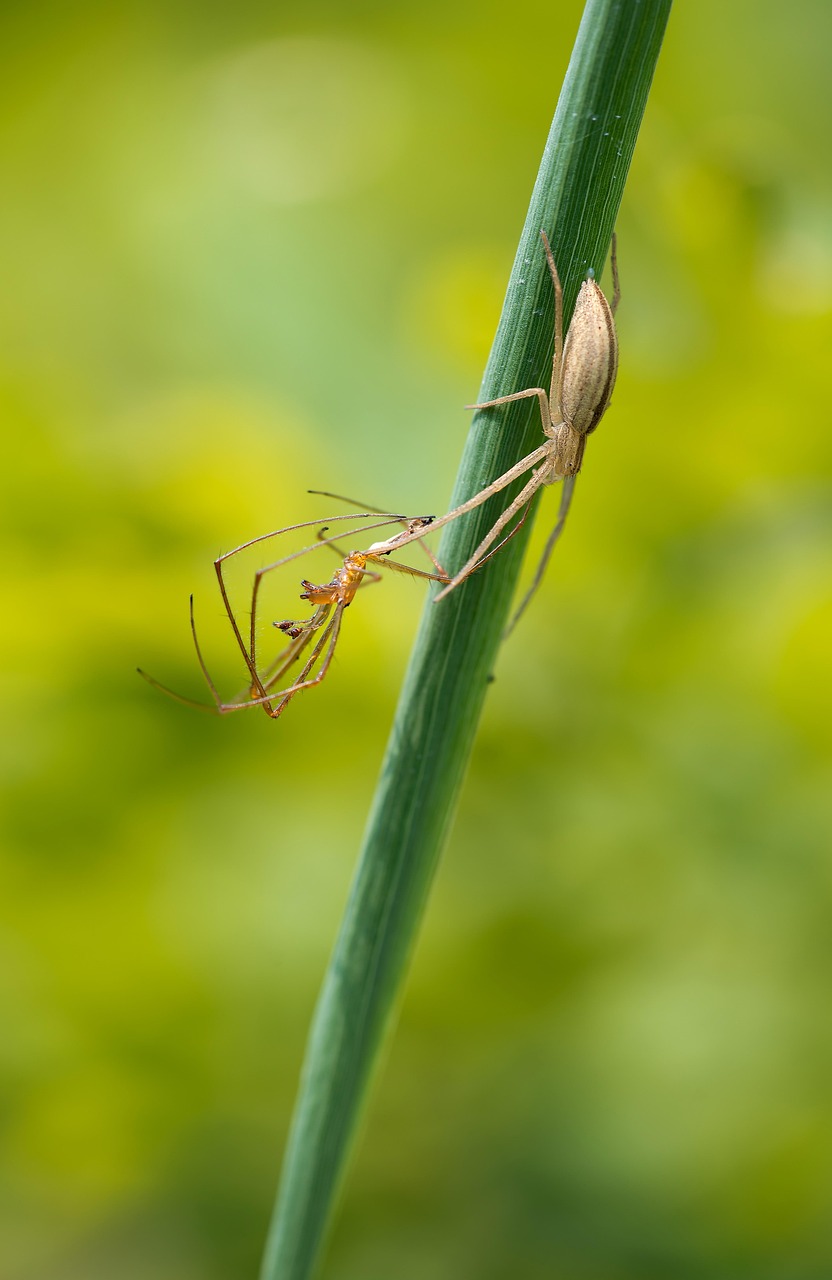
(563, 511)
(404, 568)
(339, 497)
(556, 359)
(507, 538)
(301, 634)
(204, 669)
(219, 707)
(330, 635)
(178, 697)
(502, 482)
(525, 495)
(248, 653)
(545, 404)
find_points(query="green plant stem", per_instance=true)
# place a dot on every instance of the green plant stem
(576, 199)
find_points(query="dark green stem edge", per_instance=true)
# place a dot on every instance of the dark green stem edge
(576, 199)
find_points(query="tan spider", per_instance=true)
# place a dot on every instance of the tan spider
(583, 375)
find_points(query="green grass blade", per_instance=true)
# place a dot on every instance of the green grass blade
(576, 199)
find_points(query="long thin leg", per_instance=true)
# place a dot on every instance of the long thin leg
(392, 517)
(507, 538)
(563, 512)
(248, 654)
(283, 697)
(261, 690)
(525, 495)
(545, 414)
(324, 541)
(301, 635)
(219, 707)
(494, 550)
(502, 482)
(553, 272)
(204, 669)
(223, 709)
(285, 660)
(319, 646)
(331, 634)
(439, 576)
(263, 685)
(178, 697)
(328, 542)
(340, 497)
(248, 658)
(440, 569)
(386, 563)
(276, 670)
(321, 542)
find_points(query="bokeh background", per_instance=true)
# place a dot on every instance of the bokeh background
(248, 251)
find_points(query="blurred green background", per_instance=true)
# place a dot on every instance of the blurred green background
(247, 252)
